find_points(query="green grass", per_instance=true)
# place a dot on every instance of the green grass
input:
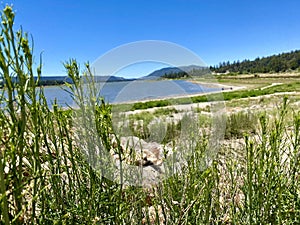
(227, 96)
(45, 177)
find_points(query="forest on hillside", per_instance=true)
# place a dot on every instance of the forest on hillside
(186, 73)
(276, 63)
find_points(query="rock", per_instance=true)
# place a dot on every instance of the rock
(147, 155)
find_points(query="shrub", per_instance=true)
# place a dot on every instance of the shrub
(241, 123)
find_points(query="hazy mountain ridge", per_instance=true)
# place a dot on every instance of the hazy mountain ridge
(191, 69)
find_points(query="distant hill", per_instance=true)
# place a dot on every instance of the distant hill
(56, 80)
(46, 80)
(110, 79)
(171, 72)
(60, 80)
(275, 63)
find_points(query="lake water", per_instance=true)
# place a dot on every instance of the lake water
(118, 92)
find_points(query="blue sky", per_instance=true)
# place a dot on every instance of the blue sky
(216, 30)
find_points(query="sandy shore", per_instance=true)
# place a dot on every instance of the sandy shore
(222, 105)
(186, 107)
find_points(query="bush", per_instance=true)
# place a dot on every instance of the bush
(241, 123)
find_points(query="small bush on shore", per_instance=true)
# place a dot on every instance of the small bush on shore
(241, 123)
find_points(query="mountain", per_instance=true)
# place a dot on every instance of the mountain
(60, 80)
(110, 79)
(45, 80)
(191, 70)
(53, 80)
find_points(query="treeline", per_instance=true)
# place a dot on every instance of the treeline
(50, 82)
(176, 75)
(199, 72)
(187, 73)
(43, 81)
(275, 63)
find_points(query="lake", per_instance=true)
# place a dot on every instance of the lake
(126, 91)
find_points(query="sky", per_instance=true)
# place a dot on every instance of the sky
(215, 30)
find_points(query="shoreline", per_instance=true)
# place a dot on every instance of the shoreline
(225, 88)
